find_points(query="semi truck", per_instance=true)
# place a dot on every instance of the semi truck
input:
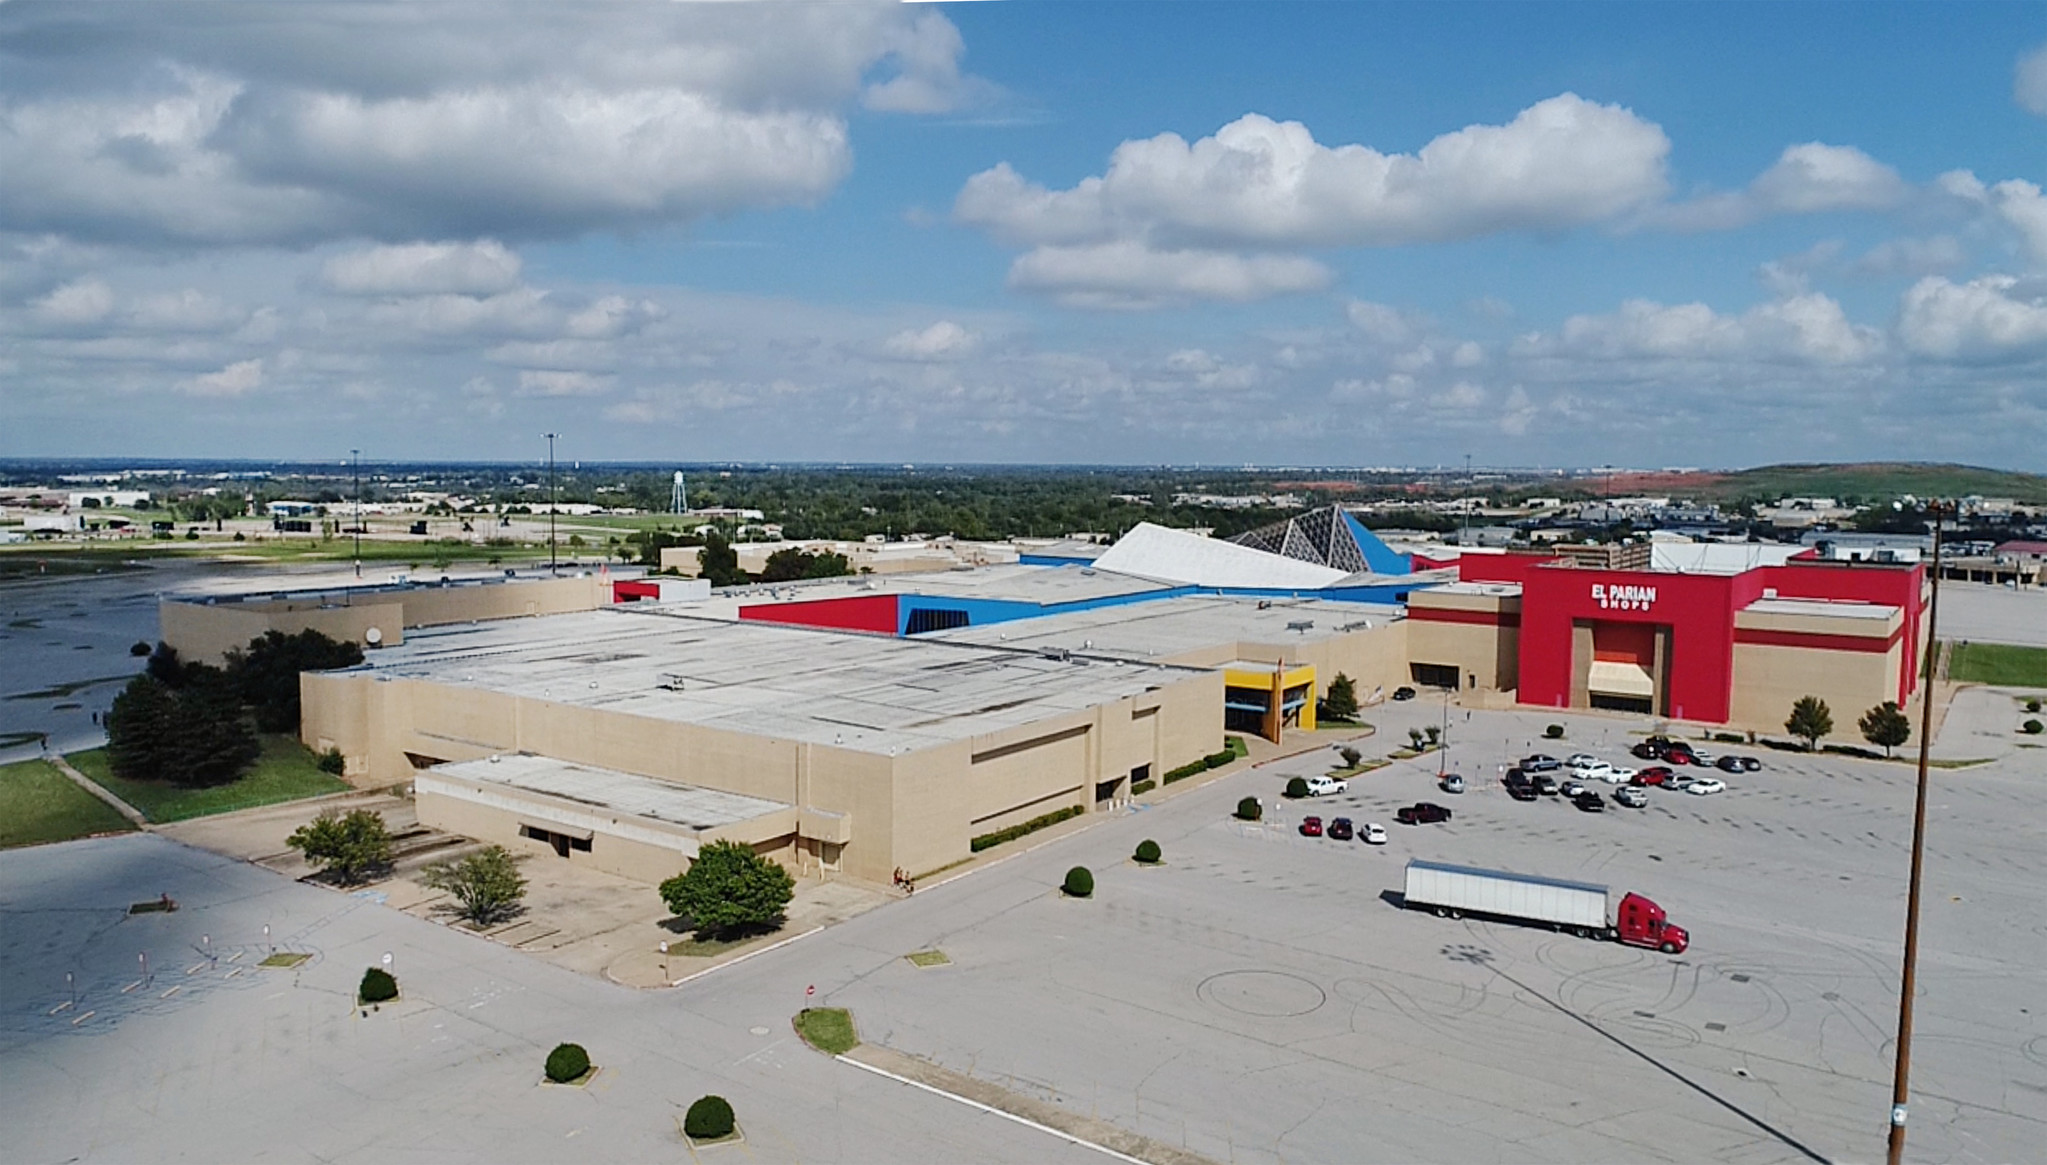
(1579, 908)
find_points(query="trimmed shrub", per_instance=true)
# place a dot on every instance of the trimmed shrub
(1185, 771)
(1147, 852)
(142, 648)
(708, 1119)
(1249, 809)
(1079, 883)
(1730, 737)
(1297, 787)
(332, 762)
(377, 986)
(1032, 826)
(1350, 756)
(1553, 732)
(567, 1062)
(2031, 705)
(2031, 728)
(1144, 786)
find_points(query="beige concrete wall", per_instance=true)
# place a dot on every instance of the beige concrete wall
(1769, 679)
(629, 847)
(1490, 653)
(432, 606)
(205, 633)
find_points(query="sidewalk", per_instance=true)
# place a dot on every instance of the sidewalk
(133, 814)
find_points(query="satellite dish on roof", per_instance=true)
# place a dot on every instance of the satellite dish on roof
(373, 636)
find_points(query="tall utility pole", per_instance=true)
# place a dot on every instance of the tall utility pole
(1901, 1080)
(550, 501)
(355, 458)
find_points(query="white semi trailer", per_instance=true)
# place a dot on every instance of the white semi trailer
(1582, 908)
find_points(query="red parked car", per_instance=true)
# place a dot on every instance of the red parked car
(1311, 827)
(1653, 775)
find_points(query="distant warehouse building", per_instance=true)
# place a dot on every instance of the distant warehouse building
(636, 734)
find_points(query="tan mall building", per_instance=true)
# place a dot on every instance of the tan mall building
(629, 736)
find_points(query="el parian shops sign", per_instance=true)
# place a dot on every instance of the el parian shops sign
(1625, 597)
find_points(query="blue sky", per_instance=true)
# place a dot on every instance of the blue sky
(1651, 234)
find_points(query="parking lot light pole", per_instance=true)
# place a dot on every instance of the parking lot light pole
(550, 502)
(355, 457)
(1901, 1080)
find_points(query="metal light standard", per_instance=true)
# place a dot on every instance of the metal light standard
(1901, 1080)
(550, 502)
(355, 458)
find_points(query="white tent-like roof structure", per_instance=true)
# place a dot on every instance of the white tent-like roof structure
(1178, 556)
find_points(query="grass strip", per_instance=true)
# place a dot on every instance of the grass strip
(287, 771)
(828, 1029)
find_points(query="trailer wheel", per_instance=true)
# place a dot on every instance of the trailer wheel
(1668, 948)
(1457, 914)
(1442, 912)
(1610, 935)
(1581, 932)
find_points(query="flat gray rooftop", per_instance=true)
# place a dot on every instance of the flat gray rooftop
(1823, 607)
(685, 805)
(868, 692)
(1164, 628)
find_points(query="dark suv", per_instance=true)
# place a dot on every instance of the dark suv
(1518, 785)
(1545, 784)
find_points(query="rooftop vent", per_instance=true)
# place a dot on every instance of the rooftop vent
(1301, 625)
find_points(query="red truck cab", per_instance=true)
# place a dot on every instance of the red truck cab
(1641, 923)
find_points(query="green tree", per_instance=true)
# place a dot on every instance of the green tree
(210, 742)
(266, 674)
(720, 563)
(1341, 702)
(486, 883)
(346, 845)
(728, 887)
(793, 564)
(1810, 719)
(196, 737)
(1886, 725)
(139, 726)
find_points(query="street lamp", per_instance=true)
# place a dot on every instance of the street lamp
(1901, 1079)
(550, 501)
(355, 458)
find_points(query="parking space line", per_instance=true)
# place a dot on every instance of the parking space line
(1026, 1121)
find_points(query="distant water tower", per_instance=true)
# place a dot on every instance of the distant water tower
(678, 498)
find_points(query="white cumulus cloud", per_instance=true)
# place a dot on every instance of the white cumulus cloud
(237, 379)
(1168, 218)
(944, 340)
(1257, 182)
(547, 382)
(1808, 328)
(1127, 273)
(85, 301)
(484, 267)
(1806, 179)
(2029, 82)
(1986, 319)
(182, 124)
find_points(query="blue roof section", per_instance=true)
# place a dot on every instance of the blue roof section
(981, 612)
(1379, 556)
